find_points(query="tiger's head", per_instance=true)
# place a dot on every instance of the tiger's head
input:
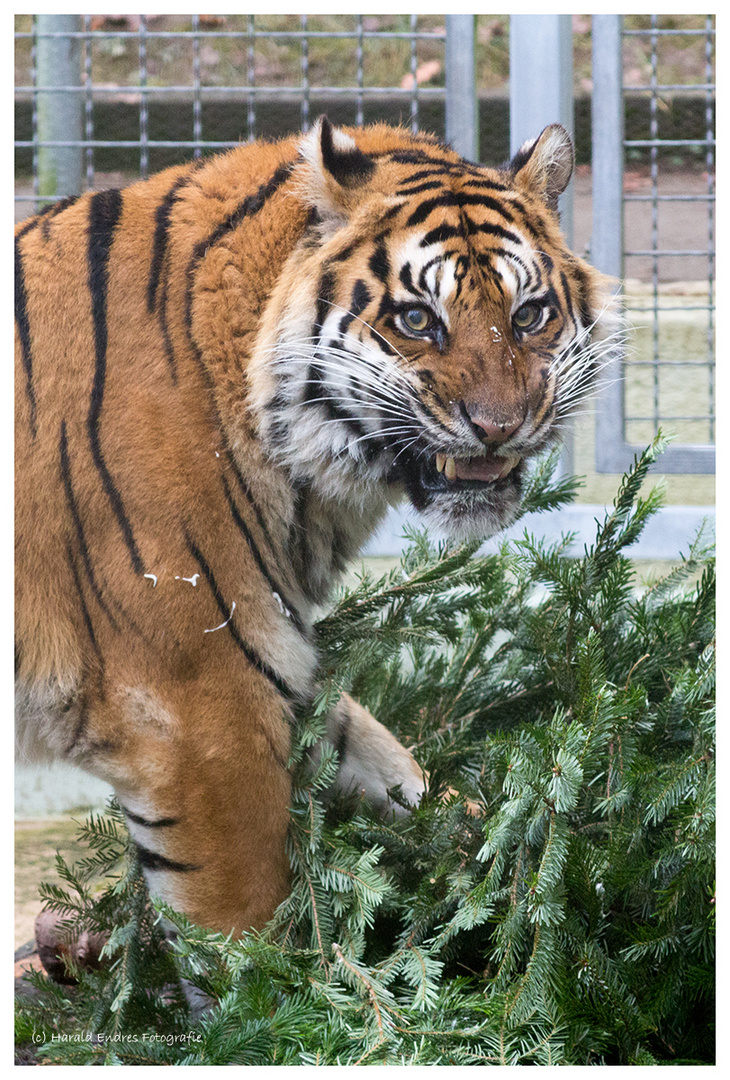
(431, 331)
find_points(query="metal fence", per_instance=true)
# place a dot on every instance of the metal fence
(66, 96)
(138, 95)
(654, 387)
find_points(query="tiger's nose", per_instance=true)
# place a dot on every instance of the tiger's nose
(490, 431)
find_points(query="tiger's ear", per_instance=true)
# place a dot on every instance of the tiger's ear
(545, 165)
(338, 169)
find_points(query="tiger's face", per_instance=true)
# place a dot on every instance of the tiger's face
(431, 332)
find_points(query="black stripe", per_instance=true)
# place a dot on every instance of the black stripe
(273, 585)
(582, 288)
(251, 205)
(325, 292)
(406, 280)
(488, 228)
(150, 860)
(82, 603)
(318, 391)
(532, 220)
(440, 234)
(165, 330)
(359, 300)
(421, 404)
(299, 549)
(133, 625)
(422, 211)
(246, 492)
(420, 157)
(441, 171)
(79, 528)
(83, 547)
(21, 299)
(391, 212)
(346, 252)
(343, 736)
(104, 213)
(484, 260)
(483, 182)
(79, 730)
(422, 282)
(417, 189)
(158, 823)
(50, 212)
(248, 651)
(468, 200)
(23, 324)
(370, 447)
(159, 243)
(466, 170)
(314, 388)
(386, 307)
(379, 263)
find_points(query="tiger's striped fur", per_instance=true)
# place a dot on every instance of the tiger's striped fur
(226, 374)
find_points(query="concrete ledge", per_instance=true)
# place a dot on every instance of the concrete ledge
(47, 790)
(667, 535)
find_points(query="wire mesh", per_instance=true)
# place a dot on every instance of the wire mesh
(669, 190)
(178, 74)
(151, 91)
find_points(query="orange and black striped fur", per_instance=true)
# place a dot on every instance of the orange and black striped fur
(226, 374)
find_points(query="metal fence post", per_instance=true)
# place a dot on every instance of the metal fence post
(541, 93)
(541, 85)
(607, 234)
(462, 113)
(60, 109)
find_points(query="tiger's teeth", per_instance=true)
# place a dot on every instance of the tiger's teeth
(509, 465)
(450, 469)
(440, 462)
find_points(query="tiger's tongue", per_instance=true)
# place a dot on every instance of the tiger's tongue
(486, 469)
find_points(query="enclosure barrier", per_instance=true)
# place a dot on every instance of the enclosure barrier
(65, 146)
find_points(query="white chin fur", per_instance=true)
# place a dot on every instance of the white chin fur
(464, 519)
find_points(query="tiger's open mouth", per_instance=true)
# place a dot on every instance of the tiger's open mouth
(485, 469)
(433, 476)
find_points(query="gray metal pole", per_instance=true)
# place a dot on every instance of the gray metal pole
(462, 112)
(541, 93)
(607, 239)
(60, 112)
(607, 115)
(541, 90)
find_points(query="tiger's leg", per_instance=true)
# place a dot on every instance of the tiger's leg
(371, 760)
(200, 770)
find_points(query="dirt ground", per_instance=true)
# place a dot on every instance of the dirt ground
(36, 843)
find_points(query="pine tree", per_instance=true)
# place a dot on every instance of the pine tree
(551, 901)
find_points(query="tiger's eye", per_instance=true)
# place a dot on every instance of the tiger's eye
(527, 317)
(417, 319)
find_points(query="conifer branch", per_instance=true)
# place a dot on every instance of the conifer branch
(569, 921)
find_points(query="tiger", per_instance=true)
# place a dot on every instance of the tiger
(227, 374)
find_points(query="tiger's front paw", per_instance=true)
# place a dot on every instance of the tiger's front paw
(372, 761)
